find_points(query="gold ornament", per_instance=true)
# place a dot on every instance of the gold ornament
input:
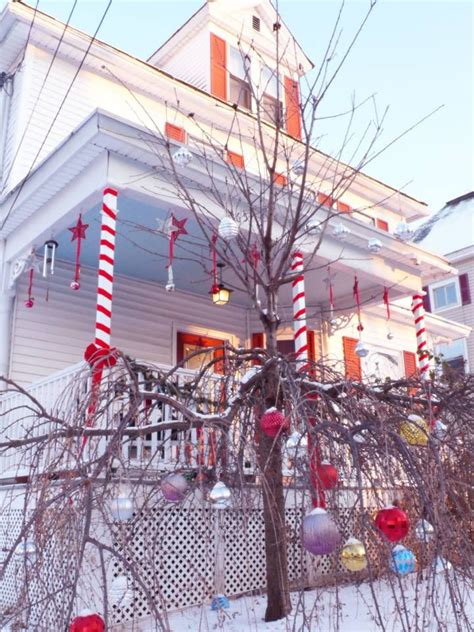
(353, 555)
(415, 430)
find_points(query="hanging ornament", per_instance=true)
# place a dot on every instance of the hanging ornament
(273, 421)
(356, 295)
(330, 287)
(424, 530)
(320, 534)
(403, 231)
(374, 246)
(415, 430)
(439, 429)
(26, 549)
(120, 594)
(403, 561)
(30, 301)
(314, 227)
(173, 228)
(393, 523)
(49, 257)
(341, 232)
(359, 438)
(354, 555)
(327, 475)
(215, 280)
(220, 496)
(220, 602)
(87, 623)
(440, 565)
(361, 349)
(182, 157)
(386, 302)
(174, 487)
(78, 234)
(121, 507)
(298, 167)
(228, 228)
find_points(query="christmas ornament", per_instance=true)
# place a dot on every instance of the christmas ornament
(328, 280)
(87, 623)
(356, 295)
(361, 349)
(393, 523)
(320, 534)
(228, 228)
(314, 227)
(174, 487)
(78, 234)
(273, 421)
(300, 335)
(374, 246)
(26, 549)
(424, 530)
(30, 301)
(403, 561)
(403, 232)
(49, 256)
(121, 507)
(440, 565)
(182, 157)
(298, 167)
(341, 232)
(120, 594)
(220, 602)
(354, 555)
(415, 430)
(386, 300)
(359, 438)
(174, 228)
(220, 496)
(418, 311)
(440, 429)
(327, 475)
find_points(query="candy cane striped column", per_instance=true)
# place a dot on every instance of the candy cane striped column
(299, 312)
(106, 269)
(421, 343)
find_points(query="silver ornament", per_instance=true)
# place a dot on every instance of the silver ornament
(174, 487)
(403, 231)
(182, 157)
(440, 429)
(389, 336)
(170, 287)
(220, 496)
(314, 227)
(228, 228)
(440, 565)
(359, 438)
(341, 232)
(374, 245)
(361, 350)
(298, 167)
(121, 507)
(424, 530)
(26, 549)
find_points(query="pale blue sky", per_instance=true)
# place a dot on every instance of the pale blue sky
(414, 55)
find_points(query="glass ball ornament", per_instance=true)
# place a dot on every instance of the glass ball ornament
(341, 232)
(361, 349)
(390, 336)
(327, 475)
(120, 593)
(314, 227)
(174, 487)
(220, 496)
(75, 285)
(320, 534)
(402, 561)
(121, 507)
(440, 429)
(354, 555)
(182, 157)
(298, 167)
(393, 523)
(415, 430)
(403, 231)
(228, 228)
(273, 421)
(29, 303)
(424, 530)
(220, 602)
(87, 623)
(27, 549)
(374, 246)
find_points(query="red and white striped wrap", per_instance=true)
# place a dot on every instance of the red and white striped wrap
(106, 269)
(299, 312)
(421, 343)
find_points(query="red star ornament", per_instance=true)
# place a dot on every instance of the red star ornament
(79, 230)
(178, 227)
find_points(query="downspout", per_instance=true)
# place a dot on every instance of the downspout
(6, 311)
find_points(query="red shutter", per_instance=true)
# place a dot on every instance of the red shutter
(280, 179)
(426, 299)
(342, 207)
(293, 114)
(325, 200)
(409, 360)
(175, 133)
(218, 67)
(381, 224)
(235, 159)
(258, 341)
(351, 359)
(465, 290)
(311, 345)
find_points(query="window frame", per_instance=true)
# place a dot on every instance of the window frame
(242, 82)
(465, 355)
(437, 286)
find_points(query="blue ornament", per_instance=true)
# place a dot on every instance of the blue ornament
(220, 602)
(403, 560)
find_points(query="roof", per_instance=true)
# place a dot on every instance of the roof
(451, 229)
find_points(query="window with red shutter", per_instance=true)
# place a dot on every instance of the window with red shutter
(325, 200)
(258, 342)
(426, 299)
(381, 224)
(218, 67)
(292, 102)
(342, 207)
(351, 359)
(409, 361)
(175, 133)
(235, 159)
(465, 289)
(280, 179)
(311, 345)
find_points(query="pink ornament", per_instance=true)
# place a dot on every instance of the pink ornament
(29, 302)
(174, 487)
(320, 534)
(75, 285)
(273, 421)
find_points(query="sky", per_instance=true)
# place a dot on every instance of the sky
(413, 56)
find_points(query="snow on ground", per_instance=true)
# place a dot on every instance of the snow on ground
(356, 611)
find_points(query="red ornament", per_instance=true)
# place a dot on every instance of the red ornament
(273, 421)
(393, 523)
(327, 475)
(87, 623)
(78, 233)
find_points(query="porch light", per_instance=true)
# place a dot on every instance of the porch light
(220, 294)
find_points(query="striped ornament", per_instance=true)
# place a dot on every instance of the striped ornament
(299, 312)
(106, 270)
(421, 342)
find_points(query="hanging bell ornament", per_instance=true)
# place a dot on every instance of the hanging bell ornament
(228, 228)
(374, 246)
(354, 555)
(361, 349)
(298, 167)
(273, 421)
(320, 534)
(314, 227)
(393, 523)
(182, 157)
(120, 594)
(121, 507)
(403, 561)
(341, 232)
(174, 487)
(220, 496)
(415, 430)
(424, 530)
(403, 232)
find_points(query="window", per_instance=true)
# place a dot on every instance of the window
(239, 71)
(271, 106)
(454, 354)
(188, 343)
(445, 295)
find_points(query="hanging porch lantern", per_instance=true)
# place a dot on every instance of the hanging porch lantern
(320, 534)
(220, 294)
(393, 523)
(174, 487)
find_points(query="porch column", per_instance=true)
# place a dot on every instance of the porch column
(418, 310)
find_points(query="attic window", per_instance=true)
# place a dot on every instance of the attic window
(255, 23)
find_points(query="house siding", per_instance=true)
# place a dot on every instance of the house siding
(53, 334)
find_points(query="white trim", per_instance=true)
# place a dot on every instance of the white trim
(439, 284)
